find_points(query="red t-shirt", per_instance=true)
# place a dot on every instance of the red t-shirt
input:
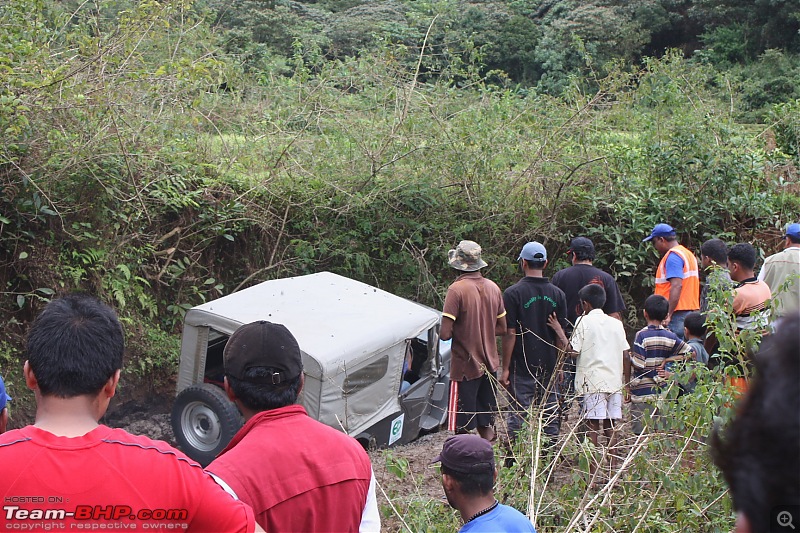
(297, 473)
(109, 479)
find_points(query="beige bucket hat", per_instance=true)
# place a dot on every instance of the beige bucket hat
(466, 257)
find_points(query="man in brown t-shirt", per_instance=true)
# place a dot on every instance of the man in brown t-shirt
(473, 315)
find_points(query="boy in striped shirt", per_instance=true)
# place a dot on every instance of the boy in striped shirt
(653, 348)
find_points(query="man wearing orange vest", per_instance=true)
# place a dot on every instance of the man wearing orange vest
(677, 277)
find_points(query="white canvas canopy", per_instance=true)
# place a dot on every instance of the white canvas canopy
(352, 335)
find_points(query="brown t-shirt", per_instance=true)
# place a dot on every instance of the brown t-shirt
(474, 303)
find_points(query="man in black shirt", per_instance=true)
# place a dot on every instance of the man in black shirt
(571, 280)
(582, 273)
(531, 346)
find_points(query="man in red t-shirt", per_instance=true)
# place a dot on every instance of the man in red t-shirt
(473, 315)
(69, 472)
(297, 473)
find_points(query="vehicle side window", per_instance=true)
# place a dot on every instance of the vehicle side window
(366, 376)
(215, 370)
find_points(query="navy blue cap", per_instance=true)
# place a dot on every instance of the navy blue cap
(661, 230)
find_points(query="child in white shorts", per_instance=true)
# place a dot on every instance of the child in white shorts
(600, 346)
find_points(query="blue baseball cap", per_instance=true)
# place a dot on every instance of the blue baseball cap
(4, 397)
(793, 230)
(533, 251)
(661, 230)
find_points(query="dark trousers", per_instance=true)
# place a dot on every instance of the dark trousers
(536, 391)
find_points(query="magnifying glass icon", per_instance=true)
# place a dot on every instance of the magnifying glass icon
(785, 519)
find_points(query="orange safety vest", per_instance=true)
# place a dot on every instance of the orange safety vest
(690, 290)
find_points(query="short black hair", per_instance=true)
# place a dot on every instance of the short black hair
(716, 249)
(743, 253)
(695, 323)
(594, 295)
(263, 397)
(536, 265)
(472, 484)
(793, 240)
(75, 346)
(757, 453)
(656, 306)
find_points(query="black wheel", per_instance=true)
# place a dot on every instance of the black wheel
(204, 421)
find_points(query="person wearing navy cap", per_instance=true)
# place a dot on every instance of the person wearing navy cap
(4, 399)
(468, 477)
(677, 276)
(784, 268)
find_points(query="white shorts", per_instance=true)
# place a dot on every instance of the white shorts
(602, 406)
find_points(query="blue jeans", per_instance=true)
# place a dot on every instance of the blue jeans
(676, 324)
(526, 391)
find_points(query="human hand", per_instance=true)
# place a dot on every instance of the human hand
(554, 324)
(626, 394)
(504, 381)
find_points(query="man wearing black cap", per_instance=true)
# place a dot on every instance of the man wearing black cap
(571, 280)
(582, 273)
(297, 473)
(468, 477)
(677, 276)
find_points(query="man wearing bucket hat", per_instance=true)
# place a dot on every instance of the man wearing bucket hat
(468, 477)
(677, 276)
(473, 315)
(4, 399)
(782, 269)
(531, 344)
(295, 472)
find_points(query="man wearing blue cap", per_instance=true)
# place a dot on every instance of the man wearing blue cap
(531, 346)
(4, 399)
(784, 268)
(677, 276)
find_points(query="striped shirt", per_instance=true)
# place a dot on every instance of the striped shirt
(654, 346)
(751, 304)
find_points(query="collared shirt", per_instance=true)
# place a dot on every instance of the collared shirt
(475, 304)
(299, 474)
(750, 301)
(529, 302)
(654, 346)
(777, 269)
(600, 342)
(574, 278)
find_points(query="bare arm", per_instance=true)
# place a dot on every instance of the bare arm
(446, 332)
(616, 314)
(626, 374)
(508, 341)
(500, 328)
(3, 419)
(675, 286)
(562, 343)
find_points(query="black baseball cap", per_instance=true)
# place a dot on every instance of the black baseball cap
(581, 244)
(263, 344)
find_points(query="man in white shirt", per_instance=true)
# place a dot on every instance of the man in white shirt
(781, 272)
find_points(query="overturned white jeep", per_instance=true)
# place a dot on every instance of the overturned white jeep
(373, 362)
